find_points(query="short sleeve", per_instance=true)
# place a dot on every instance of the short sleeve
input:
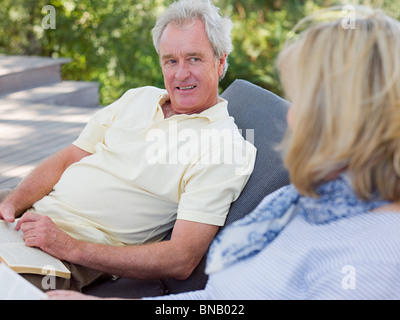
(211, 186)
(96, 128)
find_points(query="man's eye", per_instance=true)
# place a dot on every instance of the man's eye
(170, 62)
(194, 59)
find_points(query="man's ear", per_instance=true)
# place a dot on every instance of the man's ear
(221, 65)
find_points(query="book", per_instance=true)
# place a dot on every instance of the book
(23, 259)
(14, 287)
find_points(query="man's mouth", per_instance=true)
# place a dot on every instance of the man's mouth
(186, 88)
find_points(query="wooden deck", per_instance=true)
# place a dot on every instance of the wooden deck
(30, 133)
(40, 113)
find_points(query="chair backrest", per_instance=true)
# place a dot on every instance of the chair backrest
(260, 112)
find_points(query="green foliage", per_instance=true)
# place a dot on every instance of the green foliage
(110, 40)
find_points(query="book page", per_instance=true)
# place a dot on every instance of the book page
(8, 234)
(16, 256)
(23, 259)
(14, 287)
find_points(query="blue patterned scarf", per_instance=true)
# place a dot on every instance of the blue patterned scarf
(248, 236)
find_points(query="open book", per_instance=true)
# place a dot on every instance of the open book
(14, 287)
(22, 259)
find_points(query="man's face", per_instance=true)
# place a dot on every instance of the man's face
(191, 73)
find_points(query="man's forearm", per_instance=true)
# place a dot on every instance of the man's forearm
(151, 261)
(38, 184)
(42, 179)
(173, 258)
(176, 258)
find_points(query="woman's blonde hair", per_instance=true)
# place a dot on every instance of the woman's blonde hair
(344, 84)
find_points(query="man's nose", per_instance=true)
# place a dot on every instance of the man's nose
(183, 71)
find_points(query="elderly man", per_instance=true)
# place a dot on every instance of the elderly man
(140, 167)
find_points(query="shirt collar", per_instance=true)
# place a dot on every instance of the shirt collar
(216, 112)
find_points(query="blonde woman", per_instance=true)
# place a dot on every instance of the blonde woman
(333, 233)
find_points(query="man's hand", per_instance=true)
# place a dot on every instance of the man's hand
(41, 232)
(7, 212)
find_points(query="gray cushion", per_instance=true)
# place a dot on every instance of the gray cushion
(255, 109)
(264, 112)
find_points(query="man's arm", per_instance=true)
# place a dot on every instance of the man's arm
(176, 258)
(39, 183)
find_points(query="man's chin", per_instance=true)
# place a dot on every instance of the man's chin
(186, 106)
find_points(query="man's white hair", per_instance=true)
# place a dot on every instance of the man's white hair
(218, 28)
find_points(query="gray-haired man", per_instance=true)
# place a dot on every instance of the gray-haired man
(140, 168)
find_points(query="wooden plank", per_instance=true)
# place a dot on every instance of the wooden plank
(35, 138)
(30, 133)
(40, 149)
(75, 93)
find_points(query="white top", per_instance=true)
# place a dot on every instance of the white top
(351, 258)
(146, 171)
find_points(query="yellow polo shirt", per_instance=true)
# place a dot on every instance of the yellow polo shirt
(146, 171)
